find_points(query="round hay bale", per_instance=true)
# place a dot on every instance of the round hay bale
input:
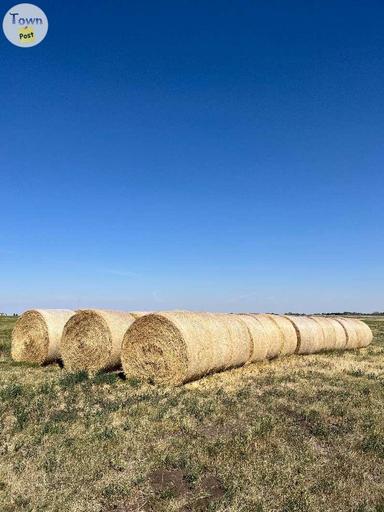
(259, 337)
(309, 334)
(329, 333)
(240, 348)
(358, 333)
(138, 314)
(37, 333)
(274, 334)
(289, 333)
(92, 339)
(176, 347)
(365, 333)
(340, 334)
(352, 332)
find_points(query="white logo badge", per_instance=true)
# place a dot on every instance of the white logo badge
(25, 25)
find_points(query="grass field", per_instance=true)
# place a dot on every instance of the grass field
(305, 433)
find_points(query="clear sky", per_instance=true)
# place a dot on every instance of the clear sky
(198, 154)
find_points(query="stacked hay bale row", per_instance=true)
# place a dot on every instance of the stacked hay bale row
(175, 347)
(178, 347)
(318, 333)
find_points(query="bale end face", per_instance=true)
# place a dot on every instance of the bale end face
(86, 344)
(154, 350)
(30, 338)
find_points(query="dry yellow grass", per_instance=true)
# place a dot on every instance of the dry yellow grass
(295, 434)
(37, 333)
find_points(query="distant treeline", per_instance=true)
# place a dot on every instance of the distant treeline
(344, 313)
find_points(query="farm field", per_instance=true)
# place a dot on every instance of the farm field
(302, 433)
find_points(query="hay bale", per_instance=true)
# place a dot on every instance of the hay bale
(138, 314)
(37, 333)
(289, 335)
(358, 333)
(340, 334)
(352, 332)
(309, 334)
(329, 333)
(176, 347)
(365, 333)
(259, 337)
(92, 339)
(241, 345)
(274, 334)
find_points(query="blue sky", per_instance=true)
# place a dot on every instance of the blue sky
(202, 155)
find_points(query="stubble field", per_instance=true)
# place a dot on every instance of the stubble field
(304, 433)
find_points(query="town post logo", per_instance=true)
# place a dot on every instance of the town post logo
(25, 25)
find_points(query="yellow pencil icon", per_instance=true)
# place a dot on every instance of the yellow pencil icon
(26, 35)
